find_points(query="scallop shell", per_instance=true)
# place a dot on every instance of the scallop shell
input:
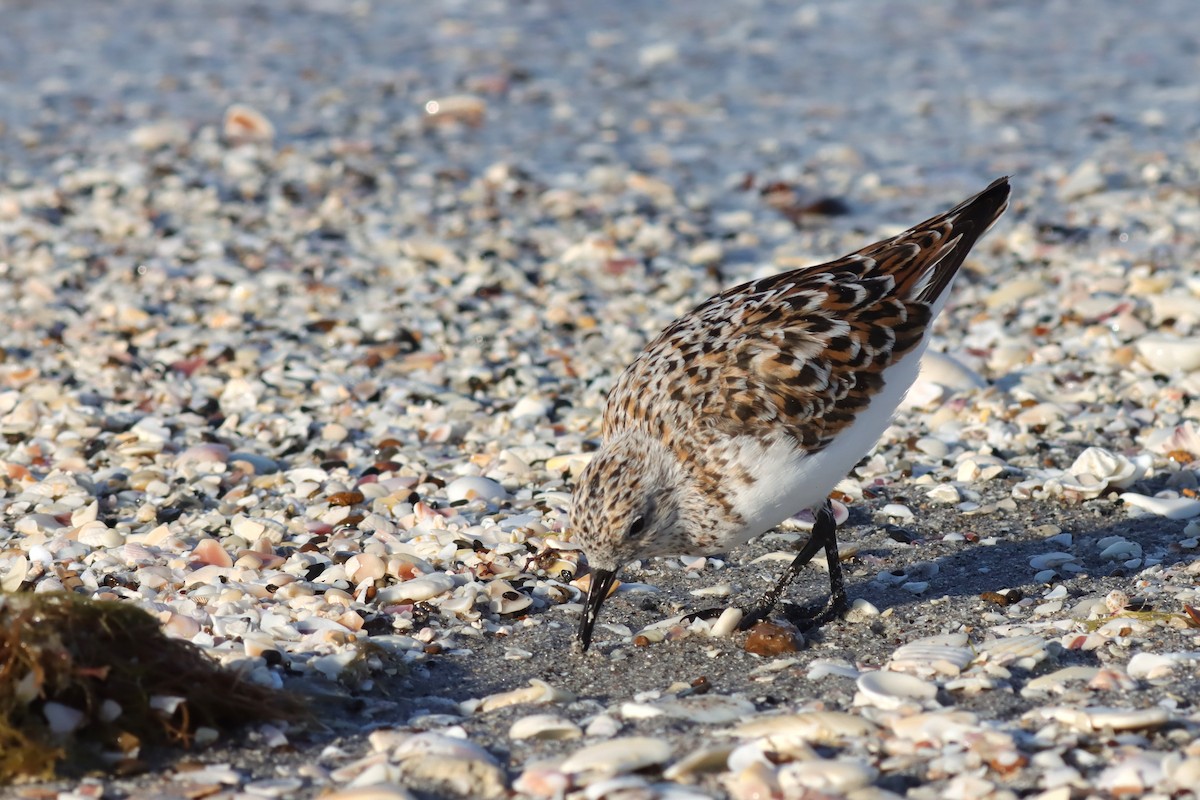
(1023, 651)
(931, 658)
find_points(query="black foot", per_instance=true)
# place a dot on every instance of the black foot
(707, 613)
(811, 616)
(824, 535)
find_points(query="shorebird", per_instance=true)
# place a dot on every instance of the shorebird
(751, 407)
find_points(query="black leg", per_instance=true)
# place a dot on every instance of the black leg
(837, 584)
(824, 534)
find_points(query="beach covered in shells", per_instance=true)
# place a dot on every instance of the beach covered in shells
(310, 310)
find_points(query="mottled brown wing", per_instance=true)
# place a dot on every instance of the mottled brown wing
(805, 350)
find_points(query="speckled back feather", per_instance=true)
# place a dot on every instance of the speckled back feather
(803, 351)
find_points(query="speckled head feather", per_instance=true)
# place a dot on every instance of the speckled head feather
(785, 366)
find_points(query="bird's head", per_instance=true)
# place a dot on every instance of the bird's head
(626, 507)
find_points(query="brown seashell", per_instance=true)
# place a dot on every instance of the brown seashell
(246, 124)
(345, 498)
(769, 639)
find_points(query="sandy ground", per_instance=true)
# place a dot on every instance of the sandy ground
(928, 101)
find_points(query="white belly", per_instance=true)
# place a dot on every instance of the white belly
(789, 480)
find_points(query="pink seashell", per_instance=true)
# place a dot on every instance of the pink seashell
(209, 551)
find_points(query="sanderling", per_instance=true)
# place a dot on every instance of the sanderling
(753, 406)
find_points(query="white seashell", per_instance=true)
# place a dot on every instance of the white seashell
(804, 520)
(542, 781)
(1184, 775)
(1155, 666)
(923, 658)
(456, 763)
(891, 690)
(897, 511)
(544, 726)
(716, 590)
(1182, 437)
(1121, 550)
(471, 487)
(572, 464)
(933, 447)
(1057, 681)
(946, 370)
(752, 783)
(1105, 468)
(1132, 776)
(467, 109)
(1050, 560)
(635, 710)
(504, 599)
(935, 726)
(203, 453)
(18, 568)
(1014, 291)
(420, 588)
(538, 691)
(619, 786)
(710, 709)
(243, 124)
(602, 726)
(971, 684)
(616, 757)
(861, 610)
(818, 727)
(821, 667)
(365, 566)
(1169, 507)
(824, 775)
(97, 534)
(1023, 651)
(727, 623)
(944, 493)
(1092, 719)
(274, 787)
(1165, 353)
(712, 758)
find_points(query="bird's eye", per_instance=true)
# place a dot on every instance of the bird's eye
(637, 526)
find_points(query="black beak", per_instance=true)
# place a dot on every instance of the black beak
(602, 581)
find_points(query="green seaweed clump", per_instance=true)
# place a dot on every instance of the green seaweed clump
(86, 683)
